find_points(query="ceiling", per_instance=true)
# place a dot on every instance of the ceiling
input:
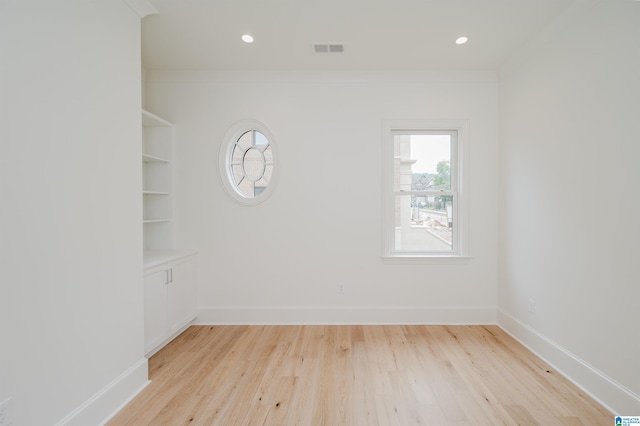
(377, 34)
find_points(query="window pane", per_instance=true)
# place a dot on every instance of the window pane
(246, 188)
(423, 223)
(237, 155)
(238, 173)
(422, 162)
(268, 173)
(260, 139)
(247, 161)
(253, 164)
(262, 183)
(244, 141)
(268, 155)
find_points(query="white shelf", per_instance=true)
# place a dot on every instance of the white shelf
(156, 151)
(152, 120)
(147, 158)
(169, 303)
(156, 257)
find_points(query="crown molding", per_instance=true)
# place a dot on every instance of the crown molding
(362, 76)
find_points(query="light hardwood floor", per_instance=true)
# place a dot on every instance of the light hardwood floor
(355, 375)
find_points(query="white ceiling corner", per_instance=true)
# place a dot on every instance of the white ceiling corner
(141, 7)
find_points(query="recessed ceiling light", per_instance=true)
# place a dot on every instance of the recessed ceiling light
(462, 40)
(247, 38)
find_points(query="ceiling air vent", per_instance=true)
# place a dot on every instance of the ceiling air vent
(328, 48)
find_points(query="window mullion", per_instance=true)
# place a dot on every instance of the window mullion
(425, 193)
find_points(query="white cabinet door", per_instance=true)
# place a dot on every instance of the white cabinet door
(181, 293)
(155, 307)
(169, 300)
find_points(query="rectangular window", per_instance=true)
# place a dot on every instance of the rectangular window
(424, 201)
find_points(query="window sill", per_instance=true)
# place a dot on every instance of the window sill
(425, 260)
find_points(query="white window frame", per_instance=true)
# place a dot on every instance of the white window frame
(460, 189)
(230, 138)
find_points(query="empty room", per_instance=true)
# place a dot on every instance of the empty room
(319, 212)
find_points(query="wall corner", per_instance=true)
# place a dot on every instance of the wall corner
(141, 7)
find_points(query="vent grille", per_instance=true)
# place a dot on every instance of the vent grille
(328, 48)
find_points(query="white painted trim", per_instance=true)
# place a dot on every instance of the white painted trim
(141, 7)
(426, 260)
(109, 400)
(408, 77)
(299, 315)
(612, 395)
(124, 403)
(462, 208)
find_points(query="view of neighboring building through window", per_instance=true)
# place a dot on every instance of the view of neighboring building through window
(424, 215)
(424, 194)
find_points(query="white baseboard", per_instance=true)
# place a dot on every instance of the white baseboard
(98, 409)
(346, 315)
(611, 394)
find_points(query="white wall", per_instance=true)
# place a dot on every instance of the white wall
(569, 198)
(71, 243)
(281, 261)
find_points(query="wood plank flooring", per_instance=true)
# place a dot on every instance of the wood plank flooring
(355, 375)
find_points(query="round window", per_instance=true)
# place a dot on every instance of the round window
(247, 162)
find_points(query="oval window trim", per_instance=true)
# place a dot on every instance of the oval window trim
(231, 138)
